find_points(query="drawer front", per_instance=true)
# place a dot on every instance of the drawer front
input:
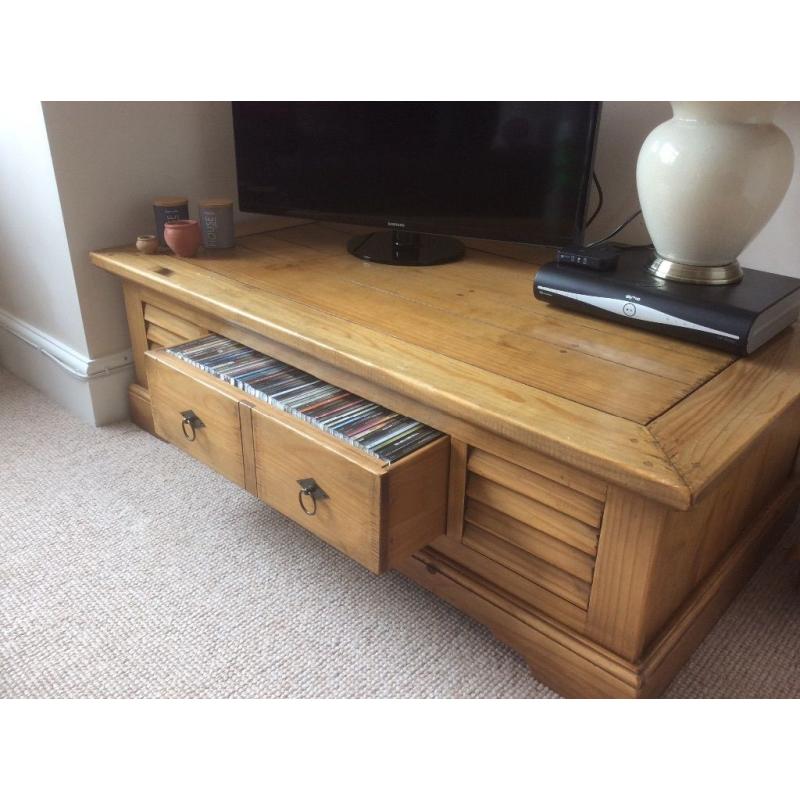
(348, 517)
(376, 515)
(197, 416)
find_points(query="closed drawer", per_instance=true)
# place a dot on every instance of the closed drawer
(199, 416)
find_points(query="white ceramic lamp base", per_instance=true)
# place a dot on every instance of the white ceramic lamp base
(709, 179)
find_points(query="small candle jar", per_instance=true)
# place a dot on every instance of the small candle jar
(147, 245)
(216, 223)
(169, 209)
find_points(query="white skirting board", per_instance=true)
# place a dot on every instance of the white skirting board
(94, 389)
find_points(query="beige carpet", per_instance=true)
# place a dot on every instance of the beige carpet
(129, 570)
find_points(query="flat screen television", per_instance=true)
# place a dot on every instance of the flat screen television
(421, 171)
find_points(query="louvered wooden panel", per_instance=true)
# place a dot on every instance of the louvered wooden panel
(558, 524)
(539, 544)
(537, 487)
(165, 329)
(534, 569)
(510, 582)
(540, 522)
(161, 337)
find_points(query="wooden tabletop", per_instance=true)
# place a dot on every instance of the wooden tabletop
(469, 338)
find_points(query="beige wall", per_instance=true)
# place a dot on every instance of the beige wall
(80, 176)
(110, 160)
(36, 280)
(777, 247)
(623, 128)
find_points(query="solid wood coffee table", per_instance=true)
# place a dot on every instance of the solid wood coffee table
(602, 494)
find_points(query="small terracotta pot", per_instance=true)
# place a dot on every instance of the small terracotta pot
(182, 237)
(147, 245)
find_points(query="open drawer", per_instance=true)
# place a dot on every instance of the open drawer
(374, 512)
(197, 413)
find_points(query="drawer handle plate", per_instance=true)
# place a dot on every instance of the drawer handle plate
(192, 422)
(309, 488)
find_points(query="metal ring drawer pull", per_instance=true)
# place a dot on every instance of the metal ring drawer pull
(309, 488)
(192, 422)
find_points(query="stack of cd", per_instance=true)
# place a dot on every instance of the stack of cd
(368, 426)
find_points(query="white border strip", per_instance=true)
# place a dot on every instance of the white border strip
(76, 364)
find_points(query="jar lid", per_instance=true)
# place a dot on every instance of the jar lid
(216, 202)
(170, 201)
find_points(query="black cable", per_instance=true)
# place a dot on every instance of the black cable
(630, 219)
(599, 200)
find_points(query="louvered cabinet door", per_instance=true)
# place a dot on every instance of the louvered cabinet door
(532, 531)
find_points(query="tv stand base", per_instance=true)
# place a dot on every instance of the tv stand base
(608, 491)
(405, 249)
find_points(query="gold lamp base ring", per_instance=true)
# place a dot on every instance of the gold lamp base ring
(691, 273)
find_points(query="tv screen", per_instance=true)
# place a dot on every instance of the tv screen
(514, 171)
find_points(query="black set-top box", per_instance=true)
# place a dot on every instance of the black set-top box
(738, 318)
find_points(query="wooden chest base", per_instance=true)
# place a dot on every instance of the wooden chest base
(607, 493)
